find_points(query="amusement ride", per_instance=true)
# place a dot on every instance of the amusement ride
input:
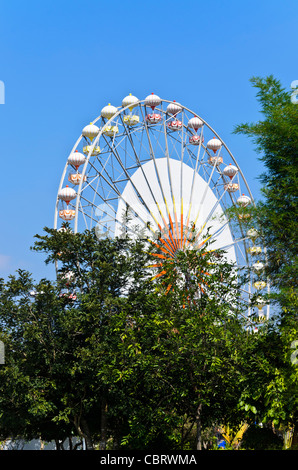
(155, 167)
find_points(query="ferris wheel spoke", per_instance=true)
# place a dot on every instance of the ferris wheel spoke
(200, 162)
(137, 194)
(181, 175)
(127, 203)
(89, 183)
(130, 138)
(94, 198)
(140, 137)
(195, 172)
(108, 181)
(203, 199)
(158, 134)
(172, 218)
(147, 184)
(156, 172)
(89, 215)
(142, 169)
(220, 196)
(85, 214)
(217, 184)
(176, 155)
(235, 242)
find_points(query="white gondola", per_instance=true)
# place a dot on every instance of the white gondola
(252, 233)
(67, 194)
(67, 214)
(230, 171)
(195, 123)
(108, 111)
(258, 267)
(195, 139)
(110, 131)
(75, 178)
(175, 125)
(243, 201)
(214, 144)
(131, 101)
(131, 120)
(95, 150)
(90, 131)
(231, 187)
(76, 159)
(173, 108)
(152, 101)
(153, 118)
(260, 285)
(215, 160)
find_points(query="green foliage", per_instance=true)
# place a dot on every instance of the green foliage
(276, 140)
(126, 359)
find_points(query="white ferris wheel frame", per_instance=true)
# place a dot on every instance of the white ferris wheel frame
(141, 104)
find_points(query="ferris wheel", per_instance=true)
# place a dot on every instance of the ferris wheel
(155, 167)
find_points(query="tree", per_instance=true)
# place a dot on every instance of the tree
(187, 359)
(110, 352)
(276, 140)
(49, 385)
(110, 280)
(28, 387)
(123, 358)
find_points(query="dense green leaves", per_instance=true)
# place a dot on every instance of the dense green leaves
(127, 359)
(276, 140)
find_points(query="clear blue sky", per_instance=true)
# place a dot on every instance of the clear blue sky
(61, 62)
